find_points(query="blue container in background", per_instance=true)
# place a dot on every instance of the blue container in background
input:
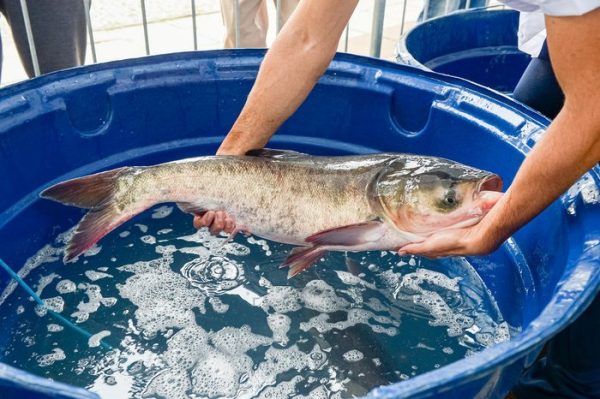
(162, 108)
(480, 45)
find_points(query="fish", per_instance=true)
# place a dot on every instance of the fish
(350, 203)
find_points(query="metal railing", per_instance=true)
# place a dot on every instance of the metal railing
(377, 26)
(30, 41)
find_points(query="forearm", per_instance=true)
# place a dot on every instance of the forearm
(288, 73)
(570, 147)
(292, 66)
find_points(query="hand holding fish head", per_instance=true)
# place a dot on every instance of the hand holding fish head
(421, 198)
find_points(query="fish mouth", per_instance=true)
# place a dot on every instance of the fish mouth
(489, 183)
(487, 193)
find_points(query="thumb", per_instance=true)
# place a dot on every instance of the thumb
(412, 248)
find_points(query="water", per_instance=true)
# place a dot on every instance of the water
(190, 315)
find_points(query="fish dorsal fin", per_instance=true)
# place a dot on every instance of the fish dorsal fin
(277, 154)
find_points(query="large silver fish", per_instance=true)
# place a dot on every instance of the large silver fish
(320, 203)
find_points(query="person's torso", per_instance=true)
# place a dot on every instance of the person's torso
(554, 7)
(532, 32)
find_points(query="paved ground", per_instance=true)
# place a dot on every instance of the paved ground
(118, 31)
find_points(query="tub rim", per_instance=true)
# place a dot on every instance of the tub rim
(403, 56)
(568, 303)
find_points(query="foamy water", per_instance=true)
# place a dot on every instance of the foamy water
(190, 315)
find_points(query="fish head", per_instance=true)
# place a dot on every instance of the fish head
(422, 195)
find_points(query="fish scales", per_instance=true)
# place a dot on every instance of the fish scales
(281, 200)
(349, 203)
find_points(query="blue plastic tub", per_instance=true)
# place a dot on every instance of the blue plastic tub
(478, 45)
(162, 108)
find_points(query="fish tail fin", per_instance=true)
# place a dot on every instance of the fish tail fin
(92, 228)
(301, 258)
(87, 191)
(98, 193)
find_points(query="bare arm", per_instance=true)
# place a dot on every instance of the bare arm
(298, 57)
(569, 148)
(296, 60)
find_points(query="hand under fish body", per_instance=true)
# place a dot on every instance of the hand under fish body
(320, 203)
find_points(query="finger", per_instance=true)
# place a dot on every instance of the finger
(203, 219)
(218, 223)
(207, 218)
(229, 224)
(427, 252)
(427, 249)
(411, 249)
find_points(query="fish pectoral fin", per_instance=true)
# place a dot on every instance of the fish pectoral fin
(350, 235)
(193, 209)
(301, 258)
(277, 154)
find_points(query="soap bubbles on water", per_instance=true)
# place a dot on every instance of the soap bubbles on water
(214, 275)
(263, 336)
(353, 356)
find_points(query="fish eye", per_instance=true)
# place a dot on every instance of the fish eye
(449, 201)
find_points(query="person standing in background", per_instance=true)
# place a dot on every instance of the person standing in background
(58, 28)
(254, 21)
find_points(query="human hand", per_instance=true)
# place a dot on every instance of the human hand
(454, 242)
(216, 221)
